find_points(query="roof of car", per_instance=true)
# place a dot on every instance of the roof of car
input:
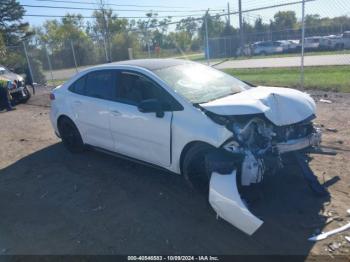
(152, 64)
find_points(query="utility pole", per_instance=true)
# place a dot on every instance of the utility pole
(302, 44)
(49, 62)
(241, 33)
(75, 60)
(206, 36)
(106, 31)
(228, 14)
(28, 62)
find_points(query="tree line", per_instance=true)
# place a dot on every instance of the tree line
(108, 37)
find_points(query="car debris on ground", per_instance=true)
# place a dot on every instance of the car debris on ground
(332, 129)
(347, 238)
(325, 235)
(326, 101)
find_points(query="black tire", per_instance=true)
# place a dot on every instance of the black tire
(28, 95)
(70, 136)
(193, 167)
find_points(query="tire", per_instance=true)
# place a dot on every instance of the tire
(28, 95)
(263, 53)
(70, 136)
(193, 167)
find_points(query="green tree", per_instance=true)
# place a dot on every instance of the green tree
(284, 20)
(188, 25)
(215, 26)
(59, 36)
(12, 28)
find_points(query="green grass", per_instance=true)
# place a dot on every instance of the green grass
(56, 82)
(327, 78)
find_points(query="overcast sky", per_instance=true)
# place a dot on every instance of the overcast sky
(326, 8)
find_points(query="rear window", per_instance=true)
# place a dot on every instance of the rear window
(101, 84)
(78, 86)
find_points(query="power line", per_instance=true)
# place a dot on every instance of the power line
(116, 10)
(245, 11)
(125, 5)
(216, 15)
(92, 3)
(126, 17)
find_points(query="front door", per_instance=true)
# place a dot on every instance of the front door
(143, 136)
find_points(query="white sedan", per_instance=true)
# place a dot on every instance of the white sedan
(189, 119)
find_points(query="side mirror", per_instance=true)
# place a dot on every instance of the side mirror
(151, 106)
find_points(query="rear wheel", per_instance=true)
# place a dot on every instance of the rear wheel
(70, 136)
(194, 168)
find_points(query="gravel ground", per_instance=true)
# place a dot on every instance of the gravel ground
(54, 202)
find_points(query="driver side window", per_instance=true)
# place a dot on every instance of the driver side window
(133, 88)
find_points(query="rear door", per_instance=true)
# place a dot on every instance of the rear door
(91, 99)
(143, 136)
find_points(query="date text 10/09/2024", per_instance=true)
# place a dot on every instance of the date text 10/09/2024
(173, 258)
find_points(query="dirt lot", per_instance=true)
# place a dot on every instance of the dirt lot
(54, 202)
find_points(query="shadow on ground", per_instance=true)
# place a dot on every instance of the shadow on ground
(54, 202)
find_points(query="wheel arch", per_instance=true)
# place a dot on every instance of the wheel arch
(187, 147)
(61, 118)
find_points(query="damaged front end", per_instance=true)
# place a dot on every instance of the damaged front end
(257, 147)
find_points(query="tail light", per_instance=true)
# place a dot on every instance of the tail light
(52, 96)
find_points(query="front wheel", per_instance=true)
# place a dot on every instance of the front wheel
(27, 97)
(194, 168)
(70, 136)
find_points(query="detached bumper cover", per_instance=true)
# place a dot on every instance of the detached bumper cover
(226, 201)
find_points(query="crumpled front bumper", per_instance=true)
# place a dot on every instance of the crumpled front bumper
(223, 191)
(227, 203)
(17, 90)
(314, 139)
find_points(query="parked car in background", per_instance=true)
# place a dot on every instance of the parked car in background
(19, 92)
(267, 48)
(285, 45)
(311, 43)
(336, 42)
(190, 119)
(294, 46)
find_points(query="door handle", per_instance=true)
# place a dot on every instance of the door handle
(116, 113)
(76, 102)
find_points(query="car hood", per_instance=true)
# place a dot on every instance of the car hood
(13, 77)
(282, 106)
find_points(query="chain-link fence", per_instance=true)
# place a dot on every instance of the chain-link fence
(261, 42)
(271, 43)
(56, 61)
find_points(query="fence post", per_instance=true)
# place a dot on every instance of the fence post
(302, 44)
(241, 32)
(206, 37)
(75, 61)
(28, 62)
(105, 48)
(49, 62)
(148, 45)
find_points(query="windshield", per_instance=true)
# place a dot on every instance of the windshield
(199, 83)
